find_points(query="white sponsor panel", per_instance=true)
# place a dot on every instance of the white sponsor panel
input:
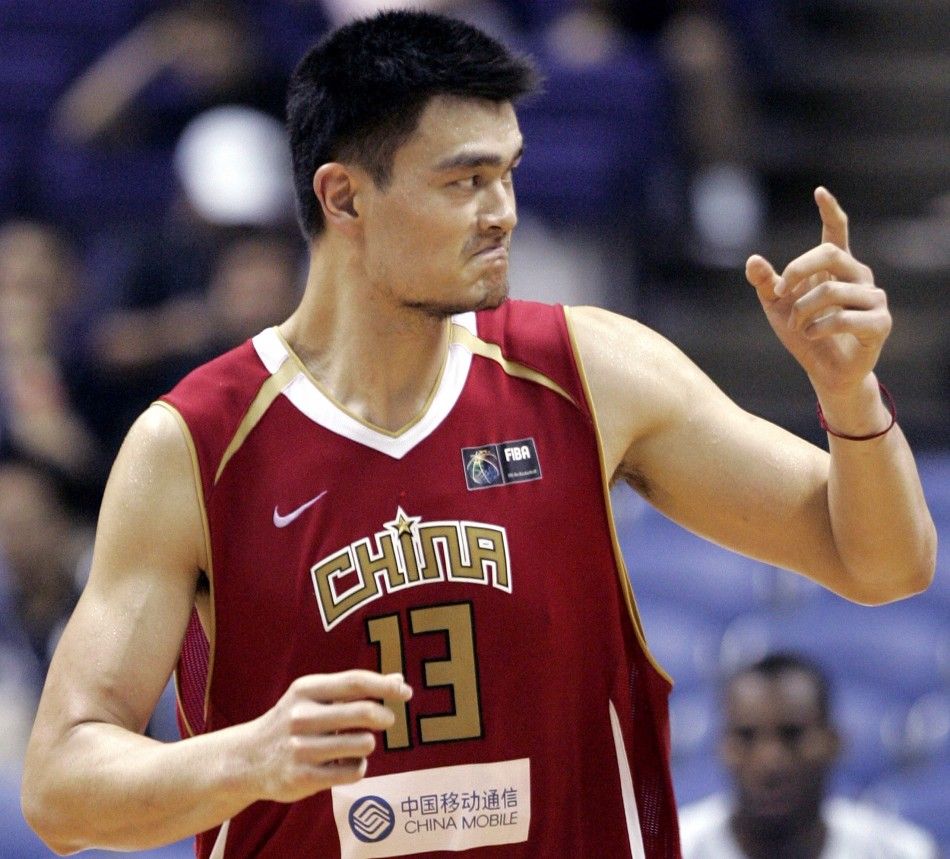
(446, 808)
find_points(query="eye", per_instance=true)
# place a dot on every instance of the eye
(744, 735)
(468, 183)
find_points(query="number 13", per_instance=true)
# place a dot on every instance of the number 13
(459, 672)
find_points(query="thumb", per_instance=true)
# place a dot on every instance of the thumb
(759, 272)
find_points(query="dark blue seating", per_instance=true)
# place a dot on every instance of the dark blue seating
(85, 190)
(903, 647)
(871, 724)
(685, 645)
(17, 840)
(696, 778)
(667, 562)
(593, 137)
(34, 70)
(921, 794)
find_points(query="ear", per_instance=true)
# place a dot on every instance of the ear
(335, 187)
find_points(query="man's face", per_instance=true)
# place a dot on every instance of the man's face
(777, 747)
(437, 237)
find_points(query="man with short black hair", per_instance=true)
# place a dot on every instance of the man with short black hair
(779, 744)
(408, 480)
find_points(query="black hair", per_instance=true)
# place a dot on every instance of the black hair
(776, 665)
(358, 94)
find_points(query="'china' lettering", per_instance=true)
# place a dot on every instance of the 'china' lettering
(407, 553)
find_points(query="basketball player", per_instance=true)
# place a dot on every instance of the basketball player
(780, 744)
(404, 486)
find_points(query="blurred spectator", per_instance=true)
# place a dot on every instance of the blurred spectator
(779, 747)
(42, 550)
(167, 300)
(106, 161)
(175, 64)
(37, 420)
(721, 199)
(253, 285)
(136, 351)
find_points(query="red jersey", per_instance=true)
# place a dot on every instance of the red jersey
(474, 551)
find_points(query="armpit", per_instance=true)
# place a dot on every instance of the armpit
(634, 477)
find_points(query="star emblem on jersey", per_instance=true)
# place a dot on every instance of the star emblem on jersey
(402, 524)
(501, 463)
(283, 520)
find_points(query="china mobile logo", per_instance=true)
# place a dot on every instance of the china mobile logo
(372, 819)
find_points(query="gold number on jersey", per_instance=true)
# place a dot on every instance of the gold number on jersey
(459, 672)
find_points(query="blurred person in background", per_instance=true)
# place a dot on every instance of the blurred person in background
(43, 546)
(38, 420)
(715, 111)
(253, 284)
(169, 299)
(178, 62)
(780, 745)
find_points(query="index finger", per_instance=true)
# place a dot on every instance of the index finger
(353, 685)
(834, 221)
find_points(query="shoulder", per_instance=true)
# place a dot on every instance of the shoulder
(234, 375)
(524, 329)
(704, 829)
(619, 348)
(640, 383)
(149, 508)
(211, 402)
(527, 335)
(853, 824)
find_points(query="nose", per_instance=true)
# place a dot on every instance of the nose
(770, 755)
(497, 207)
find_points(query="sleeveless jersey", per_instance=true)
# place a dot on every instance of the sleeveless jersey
(474, 551)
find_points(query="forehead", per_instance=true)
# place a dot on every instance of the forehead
(788, 698)
(451, 126)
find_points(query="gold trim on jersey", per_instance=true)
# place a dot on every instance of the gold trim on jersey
(269, 391)
(625, 584)
(206, 533)
(492, 351)
(302, 367)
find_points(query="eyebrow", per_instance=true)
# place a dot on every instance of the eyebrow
(476, 159)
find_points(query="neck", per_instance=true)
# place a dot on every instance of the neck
(799, 838)
(378, 360)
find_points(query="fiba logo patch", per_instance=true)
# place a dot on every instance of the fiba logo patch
(482, 467)
(372, 819)
(501, 463)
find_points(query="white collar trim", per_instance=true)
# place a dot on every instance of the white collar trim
(313, 403)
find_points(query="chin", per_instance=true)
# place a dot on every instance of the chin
(488, 297)
(493, 299)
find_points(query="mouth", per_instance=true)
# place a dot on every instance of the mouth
(491, 253)
(774, 799)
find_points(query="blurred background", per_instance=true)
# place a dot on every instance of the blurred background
(146, 224)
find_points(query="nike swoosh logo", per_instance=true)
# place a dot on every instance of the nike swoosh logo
(284, 521)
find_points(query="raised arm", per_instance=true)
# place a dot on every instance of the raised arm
(91, 777)
(856, 520)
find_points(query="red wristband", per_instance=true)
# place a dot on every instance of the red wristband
(888, 401)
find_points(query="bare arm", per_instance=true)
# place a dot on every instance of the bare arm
(91, 778)
(100, 99)
(855, 520)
